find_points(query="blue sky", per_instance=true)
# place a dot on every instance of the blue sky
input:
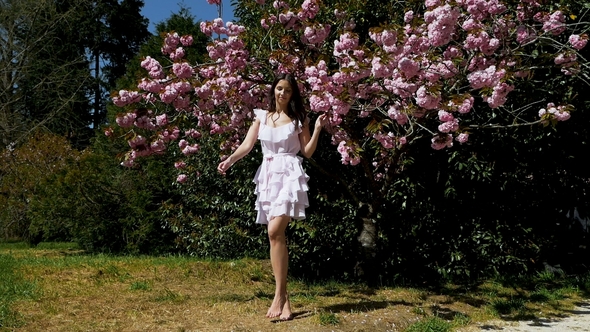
(159, 10)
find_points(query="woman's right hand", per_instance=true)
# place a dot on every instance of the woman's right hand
(225, 165)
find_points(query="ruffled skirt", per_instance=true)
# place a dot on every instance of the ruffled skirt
(281, 188)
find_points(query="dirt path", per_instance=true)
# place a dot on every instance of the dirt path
(578, 320)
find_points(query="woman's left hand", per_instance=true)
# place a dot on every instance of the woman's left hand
(321, 121)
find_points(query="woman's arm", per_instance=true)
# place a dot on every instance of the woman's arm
(310, 142)
(243, 149)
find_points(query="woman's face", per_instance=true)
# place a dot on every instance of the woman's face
(283, 92)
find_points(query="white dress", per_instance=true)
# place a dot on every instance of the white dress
(281, 182)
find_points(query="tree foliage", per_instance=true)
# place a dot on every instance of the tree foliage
(481, 82)
(45, 79)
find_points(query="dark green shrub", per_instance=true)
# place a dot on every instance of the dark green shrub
(23, 173)
(106, 207)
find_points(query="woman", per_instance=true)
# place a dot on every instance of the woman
(281, 182)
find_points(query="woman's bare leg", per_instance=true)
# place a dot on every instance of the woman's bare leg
(279, 259)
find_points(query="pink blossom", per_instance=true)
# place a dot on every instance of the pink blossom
(128, 162)
(309, 10)
(578, 42)
(161, 120)
(152, 86)
(386, 140)
(108, 132)
(452, 52)
(288, 19)
(395, 114)
(137, 142)
(170, 43)
(498, 97)
(183, 70)
(565, 58)
(346, 42)
(279, 4)
(466, 105)
(462, 138)
(186, 40)
(442, 141)
(169, 94)
(206, 28)
(426, 99)
(190, 149)
(408, 16)
(183, 177)
(400, 86)
(389, 37)
(319, 103)
(488, 77)
(157, 147)
(525, 34)
(481, 9)
(380, 69)
(431, 3)
(560, 113)
(482, 41)
(472, 24)
(126, 120)
(441, 24)
(409, 67)
(445, 116)
(144, 122)
(339, 14)
(349, 25)
(193, 133)
(153, 66)
(346, 152)
(177, 54)
(554, 23)
(264, 24)
(126, 97)
(315, 34)
(181, 103)
(490, 47)
(180, 165)
(449, 126)
(168, 135)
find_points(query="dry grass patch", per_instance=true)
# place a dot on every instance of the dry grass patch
(80, 292)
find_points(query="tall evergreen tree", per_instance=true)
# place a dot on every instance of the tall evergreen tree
(59, 59)
(112, 32)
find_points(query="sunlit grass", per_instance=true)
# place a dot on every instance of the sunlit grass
(13, 287)
(104, 292)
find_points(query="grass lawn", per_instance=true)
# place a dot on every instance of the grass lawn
(55, 287)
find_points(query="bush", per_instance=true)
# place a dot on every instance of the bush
(106, 207)
(24, 171)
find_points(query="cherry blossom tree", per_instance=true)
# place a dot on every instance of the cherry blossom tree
(436, 74)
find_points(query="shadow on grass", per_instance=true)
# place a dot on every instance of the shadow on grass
(232, 298)
(584, 311)
(363, 306)
(295, 315)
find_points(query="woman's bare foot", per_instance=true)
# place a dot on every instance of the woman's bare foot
(276, 307)
(287, 314)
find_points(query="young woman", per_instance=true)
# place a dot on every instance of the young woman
(281, 182)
